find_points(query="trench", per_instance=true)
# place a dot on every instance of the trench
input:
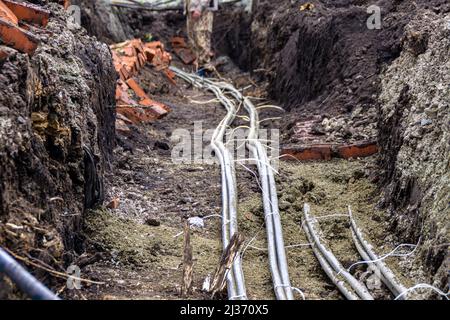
(133, 243)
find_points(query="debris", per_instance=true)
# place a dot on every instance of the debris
(307, 6)
(196, 222)
(11, 14)
(129, 58)
(328, 151)
(139, 114)
(28, 12)
(226, 262)
(206, 287)
(152, 222)
(316, 152)
(6, 13)
(17, 37)
(114, 204)
(187, 262)
(182, 50)
(358, 150)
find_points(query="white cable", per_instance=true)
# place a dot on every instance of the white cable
(390, 254)
(424, 286)
(300, 292)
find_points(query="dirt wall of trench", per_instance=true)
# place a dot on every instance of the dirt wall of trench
(57, 133)
(415, 141)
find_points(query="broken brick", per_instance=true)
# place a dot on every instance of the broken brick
(358, 150)
(137, 114)
(182, 51)
(17, 37)
(129, 57)
(124, 119)
(114, 204)
(28, 12)
(329, 151)
(7, 15)
(149, 54)
(185, 55)
(136, 88)
(317, 152)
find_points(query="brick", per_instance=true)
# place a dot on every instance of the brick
(358, 150)
(28, 12)
(136, 88)
(317, 152)
(137, 114)
(149, 54)
(185, 55)
(114, 204)
(7, 15)
(17, 37)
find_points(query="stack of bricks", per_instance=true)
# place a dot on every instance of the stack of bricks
(16, 21)
(310, 146)
(129, 58)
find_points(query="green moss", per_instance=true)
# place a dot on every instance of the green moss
(142, 246)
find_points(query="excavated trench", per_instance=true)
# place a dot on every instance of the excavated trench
(324, 67)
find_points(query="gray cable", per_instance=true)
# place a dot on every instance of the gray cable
(23, 279)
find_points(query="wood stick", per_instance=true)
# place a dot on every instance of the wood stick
(187, 262)
(226, 263)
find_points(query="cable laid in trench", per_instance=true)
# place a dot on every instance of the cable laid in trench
(235, 278)
(365, 250)
(329, 261)
(23, 279)
(276, 249)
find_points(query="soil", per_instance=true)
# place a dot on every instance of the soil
(415, 134)
(321, 63)
(152, 188)
(56, 139)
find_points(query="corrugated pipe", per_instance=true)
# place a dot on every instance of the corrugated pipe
(23, 279)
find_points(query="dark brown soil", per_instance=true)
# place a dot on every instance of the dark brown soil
(322, 62)
(56, 139)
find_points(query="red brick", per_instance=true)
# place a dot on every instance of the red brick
(358, 150)
(317, 152)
